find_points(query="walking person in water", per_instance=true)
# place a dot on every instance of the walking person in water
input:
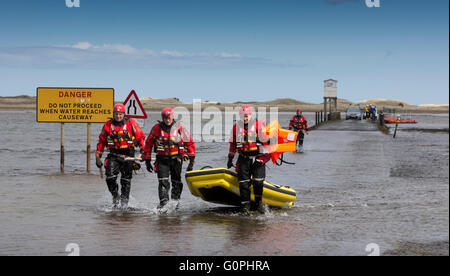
(299, 124)
(120, 135)
(172, 144)
(246, 139)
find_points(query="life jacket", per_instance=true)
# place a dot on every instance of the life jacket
(169, 143)
(247, 139)
(298, 122)
(120, 138)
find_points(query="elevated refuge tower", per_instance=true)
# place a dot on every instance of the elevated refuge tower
(330, 96)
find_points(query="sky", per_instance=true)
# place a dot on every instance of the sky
(229, 50)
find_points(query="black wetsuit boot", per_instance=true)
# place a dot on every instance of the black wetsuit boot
(116, 165)
(169, 167)
(113, 188)
(125, 192)
(163, 171)
(250, 173)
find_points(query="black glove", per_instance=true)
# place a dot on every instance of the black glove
(230, 162)
(136, 166)
(191, 164)
(98, 161)
(148, 164)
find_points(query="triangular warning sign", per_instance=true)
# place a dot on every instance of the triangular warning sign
(133, 107)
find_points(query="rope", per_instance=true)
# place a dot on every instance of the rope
(281, 159)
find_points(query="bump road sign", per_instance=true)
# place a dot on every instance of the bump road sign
(74, 105)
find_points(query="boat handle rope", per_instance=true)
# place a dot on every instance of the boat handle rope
(281, 159)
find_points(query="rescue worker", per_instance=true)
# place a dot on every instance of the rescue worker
(299, 124)
(367, 109)
(120, 135)
(172, 144)
(247, 139)
(373, 112)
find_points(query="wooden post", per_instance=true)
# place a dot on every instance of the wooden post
(88, 149)
(395, 131)
(325, 108)
(331, 107)
(62, 148)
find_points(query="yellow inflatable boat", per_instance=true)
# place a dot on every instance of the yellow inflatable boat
(221, 186)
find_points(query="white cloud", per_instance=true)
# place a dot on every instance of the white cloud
(87, 55)
(118, 48)
(228, 55)
(172, 53)
(82, 45)
(127, 49)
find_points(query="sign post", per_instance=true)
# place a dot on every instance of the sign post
(88, 149)
(74, 105)
(62, 148)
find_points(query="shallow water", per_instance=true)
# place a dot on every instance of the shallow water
(355, 186)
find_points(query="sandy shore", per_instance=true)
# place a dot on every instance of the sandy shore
(284, 105)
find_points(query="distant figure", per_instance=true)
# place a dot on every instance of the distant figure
(367, 112)
(173, 144)
(373, 111)
(299, 124)
(381, 118)
(120, 135)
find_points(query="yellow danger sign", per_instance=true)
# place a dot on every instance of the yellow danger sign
(74, 105)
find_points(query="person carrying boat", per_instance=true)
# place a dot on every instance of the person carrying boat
(247, 139)
(299, 124)
(172, 144)
(120, 135)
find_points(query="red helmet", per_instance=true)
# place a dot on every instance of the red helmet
(299, 110)
(167, 113)
(119, 108)
(245, 110)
